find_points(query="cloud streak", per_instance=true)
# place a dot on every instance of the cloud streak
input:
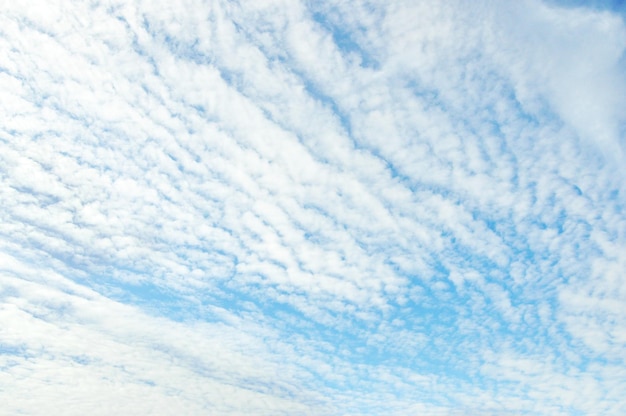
(295, 208)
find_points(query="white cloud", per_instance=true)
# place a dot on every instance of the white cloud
(571, 59)
(297, 208)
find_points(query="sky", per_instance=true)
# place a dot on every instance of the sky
(297, 207)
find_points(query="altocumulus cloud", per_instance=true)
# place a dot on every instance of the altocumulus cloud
(312, 208)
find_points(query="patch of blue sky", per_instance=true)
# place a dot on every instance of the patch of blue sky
(615, 6)
(327, 100)
(14, 350)
(149, 296)
(429, 97)
(344, 39)
(157, 298)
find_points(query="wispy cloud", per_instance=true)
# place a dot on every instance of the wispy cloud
(288, 207)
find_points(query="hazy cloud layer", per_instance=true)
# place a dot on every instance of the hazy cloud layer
(312, 208)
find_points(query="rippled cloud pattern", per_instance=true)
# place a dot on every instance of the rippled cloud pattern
(292, 207)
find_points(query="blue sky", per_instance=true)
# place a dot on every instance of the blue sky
(312, 208)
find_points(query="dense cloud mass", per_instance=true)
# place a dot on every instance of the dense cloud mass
(288, 207)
